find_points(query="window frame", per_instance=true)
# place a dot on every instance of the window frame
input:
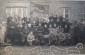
(8, 13)
(64, 12)
(82, 13)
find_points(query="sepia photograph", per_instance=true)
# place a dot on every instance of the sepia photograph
(42, 27)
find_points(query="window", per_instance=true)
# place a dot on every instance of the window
(82, 13)
(20, 12)
(65, 12)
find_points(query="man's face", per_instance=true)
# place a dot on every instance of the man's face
(25, 27)
(57, 19)
(63, 19)
(51, 20)
(31, 32)
(50, 26)
(45, 25)
(54, 25)
(29, 25)
(39, 24)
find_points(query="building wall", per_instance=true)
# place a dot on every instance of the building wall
(4, 5)
(74, 6)
(54, 7)
(75, 9)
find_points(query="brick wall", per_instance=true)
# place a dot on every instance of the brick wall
(75, 7)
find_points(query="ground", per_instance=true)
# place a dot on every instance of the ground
(26, 50)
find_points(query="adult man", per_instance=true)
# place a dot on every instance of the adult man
(55, 19)
(10, 30)
(46, 34)
(25, 33)
(79, 32)
(51, 19)
(61, 21)
(40, 31)
(24, 21)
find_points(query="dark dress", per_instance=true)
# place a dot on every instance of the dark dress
(39, 33)
(46, 35)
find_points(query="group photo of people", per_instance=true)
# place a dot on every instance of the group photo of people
(35, 31)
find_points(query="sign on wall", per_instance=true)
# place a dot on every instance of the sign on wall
(40, 10)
